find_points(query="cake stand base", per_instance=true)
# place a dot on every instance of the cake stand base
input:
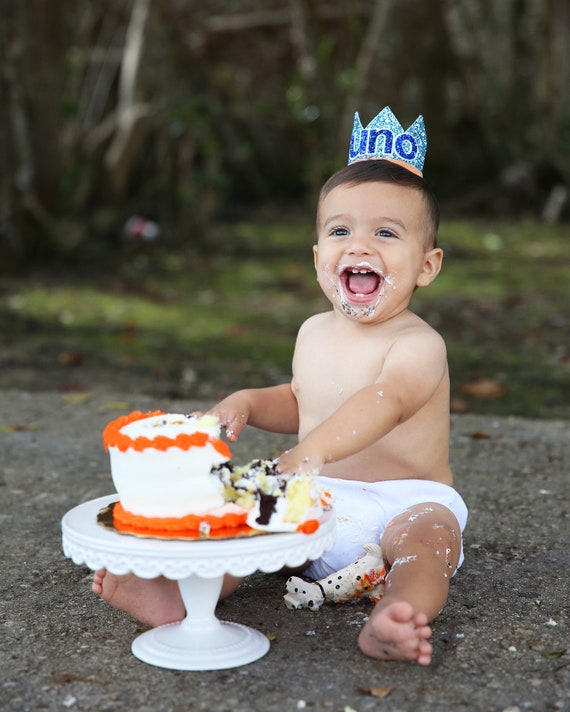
(172, 647)
(200, 641)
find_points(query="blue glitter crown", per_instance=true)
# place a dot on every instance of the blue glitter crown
(384, 137)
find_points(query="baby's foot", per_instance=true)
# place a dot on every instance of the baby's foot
(151, 601)
(395, 632)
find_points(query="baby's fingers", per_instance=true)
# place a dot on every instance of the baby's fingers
(228, 421)
(234, 425)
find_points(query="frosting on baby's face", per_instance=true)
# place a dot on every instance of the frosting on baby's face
(357, 289)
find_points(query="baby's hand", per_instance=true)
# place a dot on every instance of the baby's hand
(233, 413)
(295, 462)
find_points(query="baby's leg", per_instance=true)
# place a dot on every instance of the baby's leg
(422, 548)
(152, 601)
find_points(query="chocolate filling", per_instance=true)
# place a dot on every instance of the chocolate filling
(267, 504)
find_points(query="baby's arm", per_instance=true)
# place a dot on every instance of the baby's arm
(411, 373)
(273, 409)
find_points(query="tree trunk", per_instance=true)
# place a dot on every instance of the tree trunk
(40, 70)
(31, 171)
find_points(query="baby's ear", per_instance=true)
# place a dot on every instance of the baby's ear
(432, 264)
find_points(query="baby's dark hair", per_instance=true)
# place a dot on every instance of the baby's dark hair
(382, 171)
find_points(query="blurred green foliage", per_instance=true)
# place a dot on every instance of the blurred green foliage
(231, 316)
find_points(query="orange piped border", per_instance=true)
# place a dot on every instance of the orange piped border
(308, 527)
(178, 526)
(113, 437)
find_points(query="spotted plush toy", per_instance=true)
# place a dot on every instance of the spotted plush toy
(364, 578)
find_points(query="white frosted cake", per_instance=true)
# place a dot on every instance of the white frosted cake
(174, 476)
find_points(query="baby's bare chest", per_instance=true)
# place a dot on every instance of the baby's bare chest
(326, 374)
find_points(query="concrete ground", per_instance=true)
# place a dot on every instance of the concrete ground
(502, 643)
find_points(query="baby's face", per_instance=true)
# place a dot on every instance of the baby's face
(371, 251)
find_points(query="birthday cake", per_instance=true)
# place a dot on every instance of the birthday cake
(174, 477)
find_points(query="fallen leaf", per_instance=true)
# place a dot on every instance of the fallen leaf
(18, 428)
(143, 628)
(70, 359)
(480, 435)
(116, 405)
(483, 388)
(459, 406)
(556, 654)
(375, 691)
(76, 398)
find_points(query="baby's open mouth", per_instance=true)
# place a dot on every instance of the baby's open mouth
(361, 283)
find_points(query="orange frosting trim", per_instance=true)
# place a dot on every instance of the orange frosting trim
(176, 526)
(309, 527)
(113, 437)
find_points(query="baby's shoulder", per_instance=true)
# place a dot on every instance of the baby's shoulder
(411, 325)
(314, 324)
(418, 342)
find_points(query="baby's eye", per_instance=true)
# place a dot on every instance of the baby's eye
(384, 232)
(338, 232)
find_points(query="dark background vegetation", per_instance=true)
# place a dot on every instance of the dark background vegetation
(216, 122)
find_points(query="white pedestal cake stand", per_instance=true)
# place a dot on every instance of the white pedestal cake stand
(200, 641)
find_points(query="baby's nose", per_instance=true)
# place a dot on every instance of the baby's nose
(359, 245)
